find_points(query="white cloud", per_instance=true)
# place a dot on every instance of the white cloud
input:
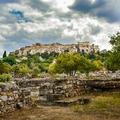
(54, 22)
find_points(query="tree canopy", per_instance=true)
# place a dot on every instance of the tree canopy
(113, 62)
(71, 63)
(115, 42)
(10, 59)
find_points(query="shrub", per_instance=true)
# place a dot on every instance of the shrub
(1, 67)
(7, 67)
(5, 78)
(23, 69)
(35, 71)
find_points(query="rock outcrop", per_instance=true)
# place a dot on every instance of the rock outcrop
(56, 47)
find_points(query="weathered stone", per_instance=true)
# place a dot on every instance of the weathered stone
(49, 91)
(43, 98)
(4, 98)
(19, 105)
(11, 97)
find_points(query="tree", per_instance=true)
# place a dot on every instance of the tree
(1, 67)
(70, 64)
(5, 77)
(67, 63)
(97, 65)
(10, 59)
(7, 67)
(85, 66)
(20, 69)
(4, 67)
(51, 69)
(113, 62)
(4, 54)
(35, 71)
(15, 68)
(45, 55)
(115, 42)
(63, 64)
(23, 69)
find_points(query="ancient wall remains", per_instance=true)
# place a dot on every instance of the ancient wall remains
(12, 98)
(52, 90)
(23, 92)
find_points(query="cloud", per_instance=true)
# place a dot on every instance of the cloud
(50, 21)
(94, 29)
(108, 9)
(19, 16)
(39, 5)
(8, 1)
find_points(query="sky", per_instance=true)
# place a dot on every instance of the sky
(26, 22)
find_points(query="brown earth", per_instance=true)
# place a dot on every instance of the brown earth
(55, 113)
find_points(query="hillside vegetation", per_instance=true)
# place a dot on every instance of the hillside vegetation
(54, 63)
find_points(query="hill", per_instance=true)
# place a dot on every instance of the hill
(56, 47)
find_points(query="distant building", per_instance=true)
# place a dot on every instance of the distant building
(86, 47)
(103, 51)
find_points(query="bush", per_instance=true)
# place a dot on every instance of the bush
(35, 71)
(23, 69)
(5, 78)
(1, 67)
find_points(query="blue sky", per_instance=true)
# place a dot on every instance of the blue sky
(19, 16)
(26, 22)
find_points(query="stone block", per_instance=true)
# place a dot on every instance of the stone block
(4, 98)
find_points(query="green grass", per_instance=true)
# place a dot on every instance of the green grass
(106, 102)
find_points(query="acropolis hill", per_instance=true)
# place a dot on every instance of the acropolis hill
(57, 47)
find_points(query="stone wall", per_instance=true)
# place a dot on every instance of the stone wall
(61, 89)
(52, 90)
(22, 92)
(12, 98)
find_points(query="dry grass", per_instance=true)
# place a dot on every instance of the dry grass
(101, 107)
(106, 104)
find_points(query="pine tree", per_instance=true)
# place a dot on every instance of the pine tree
(4, 54)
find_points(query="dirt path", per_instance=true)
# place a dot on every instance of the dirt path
(52, 113)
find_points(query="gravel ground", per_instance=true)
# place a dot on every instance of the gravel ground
(53, 113)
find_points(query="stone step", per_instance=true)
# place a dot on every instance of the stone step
(66, 103)
(50, 97)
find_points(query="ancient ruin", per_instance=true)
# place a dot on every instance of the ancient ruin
(58, 48)
(21, 93)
